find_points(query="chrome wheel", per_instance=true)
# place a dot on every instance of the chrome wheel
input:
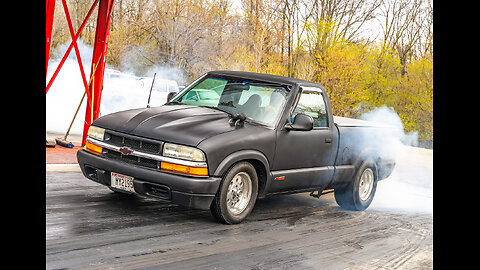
(366, 184)
(239, 193)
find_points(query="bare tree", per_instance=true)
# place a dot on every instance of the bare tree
(404, 24)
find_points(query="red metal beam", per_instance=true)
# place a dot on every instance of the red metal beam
(105, 9)
(74, 42)
(50, 12)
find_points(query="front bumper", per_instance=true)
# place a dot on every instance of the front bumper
(193, 192)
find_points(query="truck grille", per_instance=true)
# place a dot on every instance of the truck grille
(135, 143)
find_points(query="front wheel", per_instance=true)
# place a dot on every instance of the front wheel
(359, 193)
(236, 195)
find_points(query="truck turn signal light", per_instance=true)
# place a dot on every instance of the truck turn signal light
(170, 167)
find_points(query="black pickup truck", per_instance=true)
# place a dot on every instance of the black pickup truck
(230, 138)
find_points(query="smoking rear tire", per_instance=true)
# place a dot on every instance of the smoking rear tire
(359, 193)
(236, 195)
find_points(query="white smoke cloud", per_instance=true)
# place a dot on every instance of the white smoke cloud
(67, 90)
(169, 73)
(387, 115)
(121, 92)
(409, 189)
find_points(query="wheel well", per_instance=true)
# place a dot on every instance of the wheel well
(367, 154)
(261, 174)
(384, 166)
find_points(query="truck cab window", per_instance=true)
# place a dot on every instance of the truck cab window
(311, 103)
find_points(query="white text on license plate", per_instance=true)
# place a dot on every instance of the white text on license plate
(122, 182)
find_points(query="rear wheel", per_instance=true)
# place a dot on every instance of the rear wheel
(236, 195)
(359, 193)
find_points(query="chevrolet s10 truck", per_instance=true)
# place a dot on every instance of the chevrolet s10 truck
(230, 138)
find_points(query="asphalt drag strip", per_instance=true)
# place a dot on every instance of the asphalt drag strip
(89, 226)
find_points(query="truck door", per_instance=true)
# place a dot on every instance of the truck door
(305, 159)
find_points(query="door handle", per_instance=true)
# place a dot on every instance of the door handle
(328, 140)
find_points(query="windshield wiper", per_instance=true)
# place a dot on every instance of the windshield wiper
(235, 118)
(241, 117)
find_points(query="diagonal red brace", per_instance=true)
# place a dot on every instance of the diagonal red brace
(70, 47)
(74, 42)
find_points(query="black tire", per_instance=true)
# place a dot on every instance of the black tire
(230, 214)
(357, 196)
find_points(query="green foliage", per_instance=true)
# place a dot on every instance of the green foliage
(359, 78)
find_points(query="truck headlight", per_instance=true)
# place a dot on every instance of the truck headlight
(96, 133)
(183, 152)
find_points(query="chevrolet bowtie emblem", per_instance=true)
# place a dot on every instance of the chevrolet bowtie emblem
(125, 150)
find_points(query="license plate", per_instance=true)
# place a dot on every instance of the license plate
(122, 182)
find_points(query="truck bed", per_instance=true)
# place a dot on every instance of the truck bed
(360, 138)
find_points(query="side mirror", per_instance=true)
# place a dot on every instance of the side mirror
(301, 122)
(170, 96)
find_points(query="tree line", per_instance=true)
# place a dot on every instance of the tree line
(366, 53)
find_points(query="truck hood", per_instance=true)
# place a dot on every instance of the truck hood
(183, 124)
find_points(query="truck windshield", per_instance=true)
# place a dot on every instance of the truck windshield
(260, 102)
